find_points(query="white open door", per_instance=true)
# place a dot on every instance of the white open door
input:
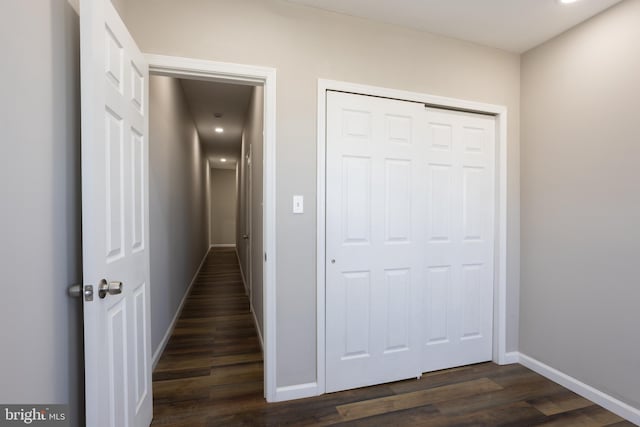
(115, 220)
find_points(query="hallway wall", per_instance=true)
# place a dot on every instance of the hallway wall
(177, 202)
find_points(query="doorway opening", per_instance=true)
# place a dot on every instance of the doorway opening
(233, 113)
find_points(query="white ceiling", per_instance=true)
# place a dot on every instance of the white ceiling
(513, 25)
(231, 100)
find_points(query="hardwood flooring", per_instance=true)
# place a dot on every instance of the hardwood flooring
(211, 374)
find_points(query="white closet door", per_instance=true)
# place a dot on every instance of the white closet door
(372, 240)
(409, 239)
(458, 263)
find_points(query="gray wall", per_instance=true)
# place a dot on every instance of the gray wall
(223, 206)
(118, 4)
(40, 255)
(177, 201)
(305, 44)
(581, 204)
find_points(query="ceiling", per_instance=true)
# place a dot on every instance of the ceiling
(512, 25)
(207, 98)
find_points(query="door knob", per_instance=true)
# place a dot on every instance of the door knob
(245, 236)
(111, 288)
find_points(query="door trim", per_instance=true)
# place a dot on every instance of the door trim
(180, 67)
(500, 248)
(248, 222)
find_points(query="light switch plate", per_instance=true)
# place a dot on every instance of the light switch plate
(298, 204)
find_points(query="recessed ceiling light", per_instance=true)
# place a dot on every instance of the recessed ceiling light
(219, 130)
(223, 160)
(567, 1)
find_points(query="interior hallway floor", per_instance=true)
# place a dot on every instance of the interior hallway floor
(211, 374)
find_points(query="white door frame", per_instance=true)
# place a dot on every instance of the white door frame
(180, 67)
(500, 276)
(209, 201)
(248, 222)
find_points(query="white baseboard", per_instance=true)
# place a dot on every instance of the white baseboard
(222, 245)
(255, 320)
(298, 391)
(244, 281)
(172, 325)
(606, 401)
(511, 358)
(253, 312)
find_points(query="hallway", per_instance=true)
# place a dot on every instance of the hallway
(211, 374)
(212, 365)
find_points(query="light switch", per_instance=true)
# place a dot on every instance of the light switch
(298, 204)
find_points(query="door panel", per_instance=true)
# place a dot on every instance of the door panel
(356, 313)
(115, 220)
(356, 204)
(436, 304)
(397, 186)
(397, 293)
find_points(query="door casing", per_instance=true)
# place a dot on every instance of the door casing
(188, 68)
(248, 223)
(500, 354)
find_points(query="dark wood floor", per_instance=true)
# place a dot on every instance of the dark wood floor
(211, 375)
